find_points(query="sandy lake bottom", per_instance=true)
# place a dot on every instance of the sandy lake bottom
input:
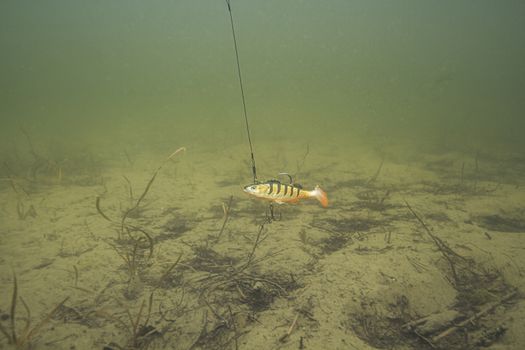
(415, 252)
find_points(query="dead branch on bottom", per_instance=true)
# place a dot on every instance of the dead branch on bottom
(473, 318)
(436, 327)
(445, 250)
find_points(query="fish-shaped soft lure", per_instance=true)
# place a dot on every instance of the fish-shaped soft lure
(277, 192)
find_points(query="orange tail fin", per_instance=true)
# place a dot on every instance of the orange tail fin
(320, 195)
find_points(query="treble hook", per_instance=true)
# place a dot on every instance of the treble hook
(289, 176)
(271, 215)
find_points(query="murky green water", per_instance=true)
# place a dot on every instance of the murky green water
(448, 72)
(389, 106)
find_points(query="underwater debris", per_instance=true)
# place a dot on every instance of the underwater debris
(285, 336)
(372, 250)
(394, 323)
(450, 255)
(432, 323)
(489, 336)
(479, 289)
(438, 328)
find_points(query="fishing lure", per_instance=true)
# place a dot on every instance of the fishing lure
(277, 192)
(273, 190)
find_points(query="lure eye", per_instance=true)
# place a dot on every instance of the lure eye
(253, 188)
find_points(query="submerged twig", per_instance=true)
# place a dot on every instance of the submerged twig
(283, 338)
(258, 241)
(443, 248)
(471, 319)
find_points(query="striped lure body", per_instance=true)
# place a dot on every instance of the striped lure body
(280, 193)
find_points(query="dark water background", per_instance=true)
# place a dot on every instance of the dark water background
(447, 74)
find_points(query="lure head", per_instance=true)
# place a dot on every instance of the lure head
(257, 190)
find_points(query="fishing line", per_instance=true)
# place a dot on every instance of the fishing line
(254, 170)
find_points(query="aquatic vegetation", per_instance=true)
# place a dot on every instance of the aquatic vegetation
(138, 241)
(130, 259)
(167, 280)
(132, 210)
(232, 288)
(24, 339)
(226, 208)
(140, 332)
(240, 276)
(24, 213)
